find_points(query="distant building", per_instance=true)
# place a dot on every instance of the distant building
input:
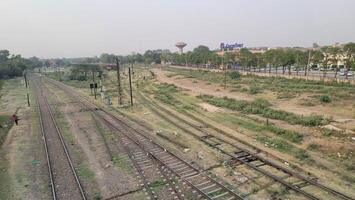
(236, 50)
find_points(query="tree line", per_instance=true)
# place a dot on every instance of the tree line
(14, 65)
(201, 56)
(281, 58)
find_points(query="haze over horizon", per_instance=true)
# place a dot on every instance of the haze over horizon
(78, 28)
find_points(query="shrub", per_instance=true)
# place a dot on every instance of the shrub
(254, 90)
(313, 147)
(261, 103)
(287, 134)
(301, 154)
(164, 93)
(234, 75)
(261, 107)
(325, 99)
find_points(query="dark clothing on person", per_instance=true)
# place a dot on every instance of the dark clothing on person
(15, 119)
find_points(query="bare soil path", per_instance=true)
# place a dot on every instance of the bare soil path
(22, 159)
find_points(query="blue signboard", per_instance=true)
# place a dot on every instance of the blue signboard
(230, 46)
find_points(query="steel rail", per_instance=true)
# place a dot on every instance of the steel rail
(312, 182)
(95, 108)
(50, 171)
(136, 165)
(82, 193)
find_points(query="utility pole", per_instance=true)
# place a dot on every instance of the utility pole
(101, 74)
(225, 78)
(93, 80)
(130, 86)
(59, 76)
(132, 70)
(119, 82)
(225, 72)
(28, 97)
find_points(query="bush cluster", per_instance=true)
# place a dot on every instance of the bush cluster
(164, 93)
(234, 75)
(325, 99)
(262, 107)
(287, 134)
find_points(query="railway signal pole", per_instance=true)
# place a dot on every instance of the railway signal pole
(119, 82)
(28, 97)
(94, 84)
(130, 85)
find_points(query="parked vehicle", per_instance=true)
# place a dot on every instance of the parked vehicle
(345, 73)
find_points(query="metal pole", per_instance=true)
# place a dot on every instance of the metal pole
(130, 86)
(119, 82)
(225, 78)
(100, 85)
(93, 80)
(60, 78)
(132, 70)
(28, 97)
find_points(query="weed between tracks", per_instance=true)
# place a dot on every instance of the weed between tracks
(121, 162)
(158, 183)
(284, 146)
(85, 172)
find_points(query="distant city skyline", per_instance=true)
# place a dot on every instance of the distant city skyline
(80, 28)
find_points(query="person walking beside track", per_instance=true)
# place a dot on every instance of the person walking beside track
(15, 119)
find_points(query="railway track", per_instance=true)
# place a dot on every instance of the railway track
(64, 182)
(241, 155)
(150, 172)
(142, 149)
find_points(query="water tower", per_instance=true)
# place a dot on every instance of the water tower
(180, 46)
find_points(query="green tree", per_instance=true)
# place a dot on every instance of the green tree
(326, 52)
(301, 60)
(4, 56)
(287, 60)
(229, 58)
(245, 58)
(334, 53)
(349, 50)
(273, 58)
(107, 58)
(260, 61)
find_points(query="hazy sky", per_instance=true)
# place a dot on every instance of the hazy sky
(72, 28)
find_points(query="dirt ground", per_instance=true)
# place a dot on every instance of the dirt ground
(24, 169)
(86, 135)
(197, 87)
(343, 117)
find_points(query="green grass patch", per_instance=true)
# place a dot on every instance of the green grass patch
(157, 183)
(313, 147)
(258, 126)
(283, 146)
(5, 125)
(292, 136)
(164, 93)
(261, 107)
(287, 88)
(85, 172)
(121, 162)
